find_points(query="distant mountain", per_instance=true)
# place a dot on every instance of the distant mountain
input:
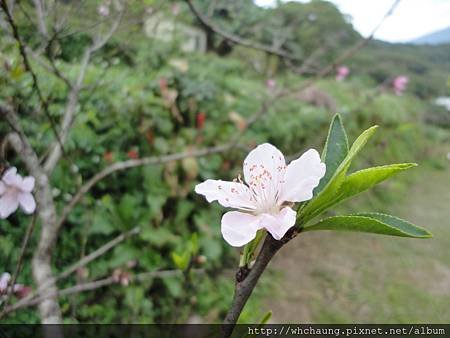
(435, 38)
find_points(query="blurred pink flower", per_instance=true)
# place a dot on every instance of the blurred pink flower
(399, 84)
(271, 84)
(342, 72)
(4, 281)
(15, 191)
(175, 9)
(103, 10)
(121, 276)
(19, 290)
(262, 201)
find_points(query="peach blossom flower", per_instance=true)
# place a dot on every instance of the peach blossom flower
(15, 191)
(399, 84)
(342, 72)
(264, 201)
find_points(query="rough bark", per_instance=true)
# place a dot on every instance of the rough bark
(42, 273)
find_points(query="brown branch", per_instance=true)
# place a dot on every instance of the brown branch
(72, 102)
(246, 279)
(236, 39)
(41, 265)
(67, 272)
(120, 166)
(25, 241)
(39, 7)
(343, 56)
(100, 283)
(30, 70)
(97, 253)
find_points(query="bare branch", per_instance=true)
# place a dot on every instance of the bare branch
(29, 69)
(41, 264)
(120, 166)
(238, 40)
(246, 279)
(100, 283)
(41, 18)
(97, 253)
(26, 239)
(67, 272)
(72, 102)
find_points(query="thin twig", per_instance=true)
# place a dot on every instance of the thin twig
(72, 102)
(30, 70)
(238, 40)
(100, 283)
(120, 166)
(15, 276)
(67, 272)
(41, 264)
(97, 253)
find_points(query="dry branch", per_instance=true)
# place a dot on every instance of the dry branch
(42, 271)
(238, 40)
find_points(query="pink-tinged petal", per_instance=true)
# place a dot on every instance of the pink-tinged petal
(10, 177)
(27, 184)
(264, 169)
(302, 176)
(4, 280)
(239, 228)
(8, 204)
(277, 225)
(229, 194)
(2, 188)
(280, 223)
(27, 202)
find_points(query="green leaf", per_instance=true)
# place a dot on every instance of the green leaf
(181, 261)
(365, 179)
(266, 318)
(371, 222)
(101, 225)
(327, 196)
(335, 150)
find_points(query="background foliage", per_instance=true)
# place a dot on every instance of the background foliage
(131, 114)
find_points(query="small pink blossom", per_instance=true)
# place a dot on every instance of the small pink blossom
(103, 10)
(342, 72)
(263, 202)
(4, 281)
(15, 191)
(399, 84)
(175, 9)
(19, 290)
(121, 276)
(271, 84)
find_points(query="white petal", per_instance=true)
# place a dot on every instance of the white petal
(4, 280)
(27, 202)
(264, 169)
(2, 188)
(11, 177)
(280, 223)
(302, 176)
(27, 184)
(8, 204)
(229, 194)
(239, 228)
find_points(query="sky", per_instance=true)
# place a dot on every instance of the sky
(411, 19)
